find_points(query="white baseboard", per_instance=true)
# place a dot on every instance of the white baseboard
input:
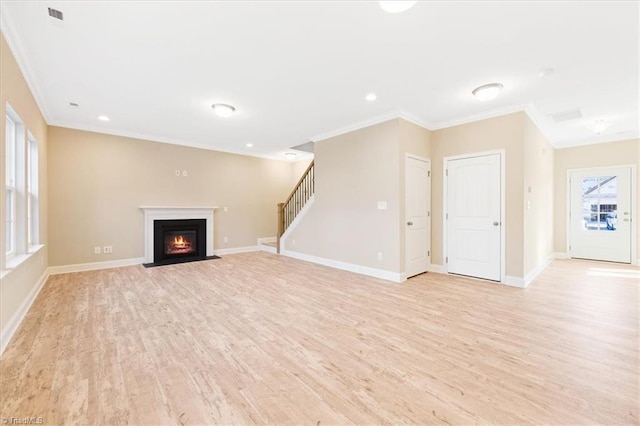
(439, 269)
(268, 249)
(396, 277)
(514, 281)
(236, 250)
(267, 240)
(14, 322)
(537, 270)
(80, 267)
(560, 255)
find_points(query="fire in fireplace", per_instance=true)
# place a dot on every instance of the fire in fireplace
(179, 240)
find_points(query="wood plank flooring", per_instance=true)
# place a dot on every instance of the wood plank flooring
(257, 338)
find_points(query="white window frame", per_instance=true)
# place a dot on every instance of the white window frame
(11, 142)
(33, 204)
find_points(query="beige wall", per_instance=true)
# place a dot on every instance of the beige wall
(599, 155)
(538, 197)
(500, 133)
(98, 183)
(353, 172)
(16, 286)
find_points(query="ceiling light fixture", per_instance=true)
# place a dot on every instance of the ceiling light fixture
(223, 110)
(290, 155)
(396, 6)
(371, 97)
(600, 126)
(103, 118)
(249, 145)
(487, 91)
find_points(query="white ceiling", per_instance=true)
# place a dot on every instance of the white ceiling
(298, 71)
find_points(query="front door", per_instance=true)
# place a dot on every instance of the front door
(473, 216)
(417, 223)
(600, 214)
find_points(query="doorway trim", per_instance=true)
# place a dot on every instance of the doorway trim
(634, 208)
(445, 161)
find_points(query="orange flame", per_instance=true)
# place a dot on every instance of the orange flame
(179, 242)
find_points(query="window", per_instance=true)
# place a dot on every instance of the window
(10, 187)
(600, 203)
(20, 216)
(33, 229)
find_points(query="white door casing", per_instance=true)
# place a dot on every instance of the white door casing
(473, 216)
(600, 214)
(417, 215)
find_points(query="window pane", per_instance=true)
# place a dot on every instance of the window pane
(10, 152)
(600, 203)
(10, 222)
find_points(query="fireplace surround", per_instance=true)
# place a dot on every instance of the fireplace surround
(176, 213)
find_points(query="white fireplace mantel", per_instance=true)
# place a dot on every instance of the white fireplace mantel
(152, 213)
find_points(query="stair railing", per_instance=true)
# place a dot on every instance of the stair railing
(301, 193)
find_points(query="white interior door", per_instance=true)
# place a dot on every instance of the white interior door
(417, 215)
(473, 216)
(600, 214)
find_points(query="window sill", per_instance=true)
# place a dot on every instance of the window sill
(19, 259)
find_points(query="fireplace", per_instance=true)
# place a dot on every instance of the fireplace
(177, 214)
(179, 240)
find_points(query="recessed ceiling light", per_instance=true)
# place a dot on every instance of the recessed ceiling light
(223, 110)
(290, 155)
(249, 145)
(103, 118)
(487, 91)
(600, 126)
(545, 72)
(371, 97)
(396, 6)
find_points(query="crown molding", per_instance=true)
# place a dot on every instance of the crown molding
(478, 117)
(151, 138)
(356, 126)
(7, 27)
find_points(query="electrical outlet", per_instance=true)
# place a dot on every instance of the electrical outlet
(293, 243)
(225, 240)
(107, 249)
(225, 209)
(96, 250)
(185, 173)
(379, 255)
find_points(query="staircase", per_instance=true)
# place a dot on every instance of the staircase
(288, 210)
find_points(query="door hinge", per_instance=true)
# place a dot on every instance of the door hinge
(446, 215)
(428, 253)
(447, 259)
(428, 214)
(446, 172)
(569, 247)
(429, 173)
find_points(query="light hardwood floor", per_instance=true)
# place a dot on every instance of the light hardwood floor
(260, 339)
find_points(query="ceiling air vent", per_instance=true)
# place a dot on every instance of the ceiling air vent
(55, 14)
(573, 114)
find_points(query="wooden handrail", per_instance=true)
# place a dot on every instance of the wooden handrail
(295, 188)
(288, 210)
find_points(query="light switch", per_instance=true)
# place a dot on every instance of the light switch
(382, 205)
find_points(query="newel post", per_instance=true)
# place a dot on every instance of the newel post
(280, 225)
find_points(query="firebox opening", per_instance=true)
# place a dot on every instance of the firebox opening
(179, 240)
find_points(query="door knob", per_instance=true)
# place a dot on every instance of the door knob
(496, 223)
(409, 223)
